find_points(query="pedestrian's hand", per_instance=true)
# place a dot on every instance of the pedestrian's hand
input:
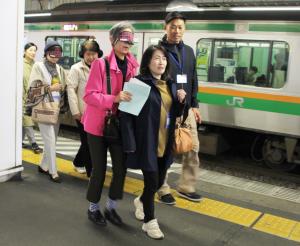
(181, 94)
(197, 115)
(77, 116)
(56, 87)
(123, 96)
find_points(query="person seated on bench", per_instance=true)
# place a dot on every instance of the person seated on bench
(250, 77)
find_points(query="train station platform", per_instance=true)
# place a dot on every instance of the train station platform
(36, 211)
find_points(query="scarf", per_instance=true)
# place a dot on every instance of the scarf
(51, 67)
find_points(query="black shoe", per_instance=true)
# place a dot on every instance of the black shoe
(36, 149)
(97, 218)
(167, 199)
(57, 179)
(24, 146)
(193, 196)
(41, 170)
(113, 217)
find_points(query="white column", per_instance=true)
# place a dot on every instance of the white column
(11, 73)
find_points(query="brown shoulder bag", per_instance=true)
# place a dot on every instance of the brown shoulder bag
(46, 112)
(183, 139)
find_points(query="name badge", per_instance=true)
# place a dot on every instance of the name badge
(181, 78)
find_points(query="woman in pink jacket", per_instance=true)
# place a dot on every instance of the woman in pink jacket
(98, 102)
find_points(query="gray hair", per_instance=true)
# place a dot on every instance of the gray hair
(115, 31)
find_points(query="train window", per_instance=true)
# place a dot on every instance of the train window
(71, 47)
(154, 41)
(279, 63)
(203, 54)
(135, 48)
(248, 62)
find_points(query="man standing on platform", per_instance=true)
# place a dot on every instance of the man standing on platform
(183, 72)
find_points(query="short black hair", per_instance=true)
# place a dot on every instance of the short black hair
(28, 45)
(90, 45)
(174, 15)
(146, 59)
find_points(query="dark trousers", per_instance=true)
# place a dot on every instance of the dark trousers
(152, 182)
(83, 158)
(98, 149)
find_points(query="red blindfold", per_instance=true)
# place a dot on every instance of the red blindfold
(55, 53)
(126, 37)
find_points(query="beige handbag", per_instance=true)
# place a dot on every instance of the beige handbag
(46, 112)
(183, 139)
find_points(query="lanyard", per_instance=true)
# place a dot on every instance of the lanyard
(179, 64)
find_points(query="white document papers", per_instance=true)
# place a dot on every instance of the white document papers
(140, 92)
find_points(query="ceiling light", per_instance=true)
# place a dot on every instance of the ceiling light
(182, 6)
(265, 8)
(37, 14)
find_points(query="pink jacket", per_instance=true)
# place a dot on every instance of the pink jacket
(95, 96)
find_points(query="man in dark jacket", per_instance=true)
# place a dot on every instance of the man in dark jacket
(183, 72)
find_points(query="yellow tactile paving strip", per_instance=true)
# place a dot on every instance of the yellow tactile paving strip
(279, 226)
(221, 210)
(267, 223)
(295, 234)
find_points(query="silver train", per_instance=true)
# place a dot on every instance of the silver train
(248, 74)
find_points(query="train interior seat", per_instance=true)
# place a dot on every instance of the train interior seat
(240, 74)
(261, 81)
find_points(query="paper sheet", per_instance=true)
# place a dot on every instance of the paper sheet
(140, 93)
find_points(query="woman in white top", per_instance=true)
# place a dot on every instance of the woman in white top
(52, 77)
(77, 78)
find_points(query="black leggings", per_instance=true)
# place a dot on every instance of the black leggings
(83, 157)
(152, 182)
(98, 149)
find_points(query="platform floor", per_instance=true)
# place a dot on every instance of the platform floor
(38, 212)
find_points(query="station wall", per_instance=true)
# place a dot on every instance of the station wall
(11, 70)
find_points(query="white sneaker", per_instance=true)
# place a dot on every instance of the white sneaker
(152, 229)
(80, 170)
(139, 209)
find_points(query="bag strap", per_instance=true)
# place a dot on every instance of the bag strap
(108, 84)
(184, 116)
(107, 68)
(49, 94)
